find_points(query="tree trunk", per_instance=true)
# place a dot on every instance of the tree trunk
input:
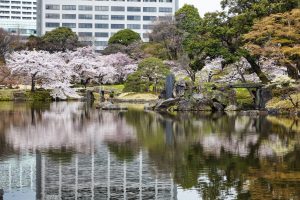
(292, 71)
(33, 82)
(256, 68)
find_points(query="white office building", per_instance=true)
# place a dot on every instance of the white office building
(96, 20)
(18, 16)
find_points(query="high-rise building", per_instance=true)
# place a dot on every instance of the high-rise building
(18, 16)
(96, 20)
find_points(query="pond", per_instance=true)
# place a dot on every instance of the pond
(73, 151)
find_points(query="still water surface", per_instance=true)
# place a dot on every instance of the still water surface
(73, 151)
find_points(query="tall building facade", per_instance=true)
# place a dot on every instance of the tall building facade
(18, 16)
(96, 20)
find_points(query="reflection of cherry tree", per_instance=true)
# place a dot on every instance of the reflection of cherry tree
(68, 125)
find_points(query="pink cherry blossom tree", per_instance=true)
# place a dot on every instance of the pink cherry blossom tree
(56, 71)
(46, 69)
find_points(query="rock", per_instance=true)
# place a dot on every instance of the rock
(232, 108)
(203, 104)
(218, 107)
(185, 105)
(110, 106)
(198, 97)
(204, 108)
(180, 88)
(220, 97)
(149, 106)
(165, 104)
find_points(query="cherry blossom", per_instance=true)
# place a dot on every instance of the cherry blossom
(56, 71)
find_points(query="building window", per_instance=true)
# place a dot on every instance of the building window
(134, 26)
(149, 9)
(102, 26)
(69, 25)
(102, 8)
(149, 18)
(134, 17)
(117, 26)
(165, 10)
(117, 8)
(52, 25)
(52, 16)
(85, 16)
(102, 17)
(117, 17)
(85, 25)
(69, 7)
(101, 34)
(148, 26)
(52, 7)
(133, 9)
(85, 34)
(69, 16)
(85, 7)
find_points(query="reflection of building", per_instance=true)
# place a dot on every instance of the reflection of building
(17, 174)
(18, 17)
(95, 21)
(96, 176)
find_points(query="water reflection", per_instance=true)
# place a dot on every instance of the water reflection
(72, 151)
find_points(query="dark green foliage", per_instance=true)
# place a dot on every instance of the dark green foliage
(155, 49)
(60, 39)
(124, 37)
(34, 42)
(151, 72)
(38, 95)
(135, 83)
(188, 18)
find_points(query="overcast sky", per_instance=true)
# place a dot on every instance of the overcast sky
(202, 5)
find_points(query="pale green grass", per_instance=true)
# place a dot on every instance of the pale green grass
(137, 96)
(6, 94)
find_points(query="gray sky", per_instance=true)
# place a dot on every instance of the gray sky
(202, 5)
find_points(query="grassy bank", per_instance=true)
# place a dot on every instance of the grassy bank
(7, 94)
(24, 95)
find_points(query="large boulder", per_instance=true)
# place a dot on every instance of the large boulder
(232, 108)
(166, 104)
(185, 105)
(218, 107)
(220, 97)
(198, 96)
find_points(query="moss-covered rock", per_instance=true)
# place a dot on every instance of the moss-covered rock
(244, 98)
